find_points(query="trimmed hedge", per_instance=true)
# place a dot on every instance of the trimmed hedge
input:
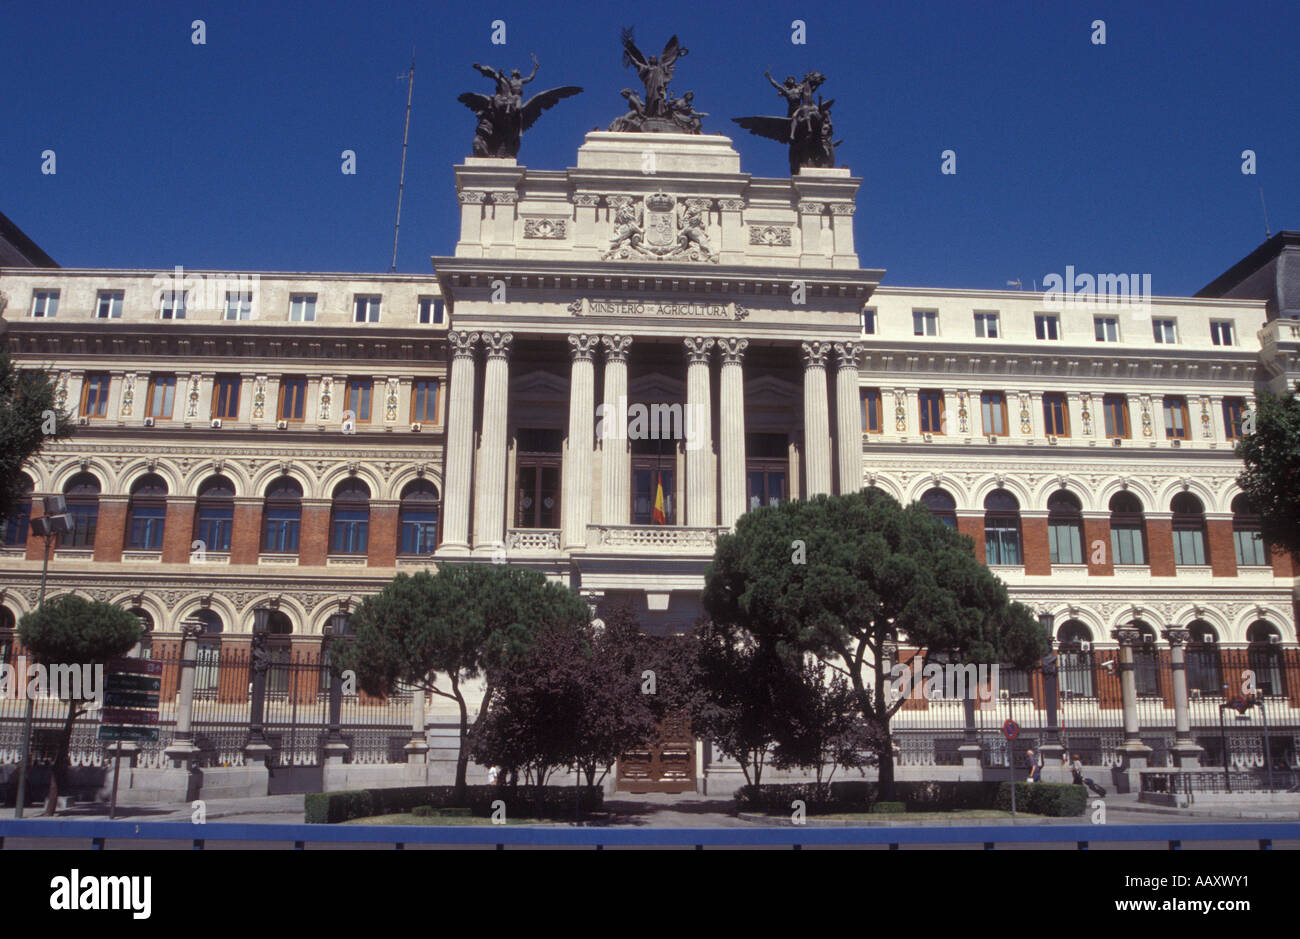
(1055, 799)
(521, 802)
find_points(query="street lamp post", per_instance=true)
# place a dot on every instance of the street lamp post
(339, 629)
(1052, 750)
(54, 522)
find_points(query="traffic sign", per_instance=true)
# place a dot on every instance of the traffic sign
(1010, 730)
(128, 716)
(134, 666)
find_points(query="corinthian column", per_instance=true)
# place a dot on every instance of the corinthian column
(816, 420)
(460, 441)
(616, 472)
(732, 433)
(575, 507)
(848, 413)
(1187, 752)
(490, 487)
(701, 508)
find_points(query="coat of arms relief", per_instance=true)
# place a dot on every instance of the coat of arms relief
(660, 229)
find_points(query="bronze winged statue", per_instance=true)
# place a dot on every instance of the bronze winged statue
(658, 111)
(504, 116)
(806, 128)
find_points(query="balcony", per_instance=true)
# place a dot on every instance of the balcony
(532, 540)
(665, 539)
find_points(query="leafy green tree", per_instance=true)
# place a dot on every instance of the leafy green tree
(1271, 480)
(28, 418)
(71, 631)
(437, 632)
(818, 725)
(841, 577)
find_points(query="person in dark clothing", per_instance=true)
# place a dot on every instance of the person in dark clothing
(1034, 766)
(1076, 769)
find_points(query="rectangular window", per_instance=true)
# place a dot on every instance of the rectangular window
(94, 395)
(162, 395)
(931, 403)
(431, 310)
(1056, 415)
(925, 322)
(225, 397)
(145, 530)
(109, 306)
(1163, 332)
(293, 399)
(239, 305)
(871, 422)
(365, 310)
(1250, 546)
(1106, 328)
(350, 532)
(1175, 418)
(1221, 333)
(1115, 409)
(1047, 326)
(45, 303)
(1002, 542)
(869, 322)
(1189, 546)
(1065, 542)
(302, 308)
(171, 305)
(765, 484)
(358, 399)
(993, 409)
(1233, 411)
(986, 325)
(1126, 544)
(652, 494)
(424, 401)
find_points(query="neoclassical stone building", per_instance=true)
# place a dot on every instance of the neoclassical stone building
(610, 368)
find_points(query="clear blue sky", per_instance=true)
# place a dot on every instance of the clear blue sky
(1115, 158)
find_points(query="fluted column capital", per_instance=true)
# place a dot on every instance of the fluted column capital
(849, 354)
(616, 347)
(732, 350)
(815, 353)
(697, 348)
(498, 344)
(462, 344)
(582, 346)
(1176, 637)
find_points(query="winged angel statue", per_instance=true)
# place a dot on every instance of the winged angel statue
(659, 111)
(504, 115)
(806, 128)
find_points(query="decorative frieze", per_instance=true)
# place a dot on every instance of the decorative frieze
(259, 398)
(471, 197)
(128, 395)
(775, 236)
(546, 228)
(326, 396)
(390, 402)
(192, 399)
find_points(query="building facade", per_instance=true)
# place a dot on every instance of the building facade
(608, 370)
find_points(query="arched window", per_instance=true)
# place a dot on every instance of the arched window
(350, 518)
(1065, 528)
(7, 627)
(1204, 668)
(1146, 661)
(207, 671)
(1189, 529)
(1128, 529)
(82, 494)
(1265, 657)
(1001, 528)
(215, 515)
(143, 648)
(1246, 533)
(418, 518)
(1074, 666)
(279, 627)
(16, 528)
(146, 514)
(283, 516)
(941, 506)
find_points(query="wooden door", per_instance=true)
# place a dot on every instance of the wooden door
(665, 764)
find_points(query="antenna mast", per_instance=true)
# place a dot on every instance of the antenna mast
(1267, 233)
(401, 184)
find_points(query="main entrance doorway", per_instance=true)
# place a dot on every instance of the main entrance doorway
(665, 764)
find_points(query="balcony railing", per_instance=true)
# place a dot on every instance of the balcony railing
(666, 538)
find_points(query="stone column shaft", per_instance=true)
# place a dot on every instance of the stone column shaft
(616, 472)
(816, 420)
(701, 508)
(732, 432)
(460, 440)
(575, 507)
(848, 411)
(490, 486)
(1187, 752)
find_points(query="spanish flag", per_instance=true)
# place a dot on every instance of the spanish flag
(657, 516)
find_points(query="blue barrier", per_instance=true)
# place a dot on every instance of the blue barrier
(97, 832)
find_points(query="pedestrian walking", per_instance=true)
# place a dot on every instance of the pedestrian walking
(1034, 766)
(1076, 769)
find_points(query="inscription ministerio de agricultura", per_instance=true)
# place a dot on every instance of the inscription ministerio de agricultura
(613, 307)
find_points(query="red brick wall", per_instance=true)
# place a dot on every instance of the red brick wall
(168, 651)
(382, 539)
(233, 673)
(177, 531)
(1160, 545)
(110, 530)
(1094, 530)
(1223, 552)
(1110, 695)
(313, 538)
(246, 533)
(973, 525)
(1284, 564)
(1038, 555)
